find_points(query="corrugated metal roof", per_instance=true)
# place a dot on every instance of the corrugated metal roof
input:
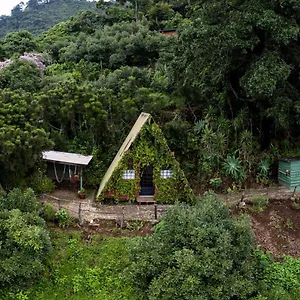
(67, 158)
(143, 117)
(289, 159)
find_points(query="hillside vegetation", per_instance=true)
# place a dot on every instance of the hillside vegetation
(37, 16)
(225, 91)
(196, 252)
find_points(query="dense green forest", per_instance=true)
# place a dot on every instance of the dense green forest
(37, 16)
(225, 92)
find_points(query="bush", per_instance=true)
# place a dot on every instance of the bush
(199, 252)
(216, 182)
(263, 171)
(42, 184)
(63, 217)
(25, 242)
(260, 203)
(232, 167)
(278, 293)
(49, 212)
(17, 199)
(278, 280)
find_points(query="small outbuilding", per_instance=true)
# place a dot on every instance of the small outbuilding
(169, 32)
(289, 172)
(66, 166)
(144, 169)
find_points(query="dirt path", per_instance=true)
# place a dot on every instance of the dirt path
(88, 210)
(277, 192)
(276, 229)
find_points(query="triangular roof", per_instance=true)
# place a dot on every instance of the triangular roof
(140, 122)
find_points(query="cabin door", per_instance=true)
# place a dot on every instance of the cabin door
(146, 183)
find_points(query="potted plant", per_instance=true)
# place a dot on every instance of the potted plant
(81, 193)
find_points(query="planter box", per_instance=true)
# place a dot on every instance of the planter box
(81, 196)
(110, 194)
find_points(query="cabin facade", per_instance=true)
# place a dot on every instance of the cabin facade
(145, 168)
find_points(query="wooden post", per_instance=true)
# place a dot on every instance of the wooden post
(81, 179)
(295, 188)
(122, 219)
(42, 210)
(136, 11)
(79, 213)
(59, 205)
(155, 211)
(242, 198)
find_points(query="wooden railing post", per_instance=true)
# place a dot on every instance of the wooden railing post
(79, 213)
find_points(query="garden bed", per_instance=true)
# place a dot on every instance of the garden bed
(277, 227)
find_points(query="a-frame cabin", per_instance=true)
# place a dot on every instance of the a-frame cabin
(144, 169)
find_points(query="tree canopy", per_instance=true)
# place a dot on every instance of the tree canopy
(25, 243)
(224, 90)
(242, 56)
(198, 252)
(222, 84)
(38, 16)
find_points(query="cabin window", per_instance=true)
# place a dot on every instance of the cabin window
(129, 174)
(166, 174)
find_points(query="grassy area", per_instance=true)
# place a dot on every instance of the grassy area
(84, 269)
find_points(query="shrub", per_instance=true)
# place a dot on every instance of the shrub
(215, 182)
(158, 226)
(296, 205)
(49, 212)
(63, 217)
(285, 274)
(263, 171)
(278, 293)
(199, 252)
(25, 242)
(260, 203)
(278, 280)
(85, 270)
(135, 225)
(41, 184)
(232, 168)
(25, 201)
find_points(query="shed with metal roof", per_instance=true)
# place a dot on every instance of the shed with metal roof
(289, 172)
(67, 165)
